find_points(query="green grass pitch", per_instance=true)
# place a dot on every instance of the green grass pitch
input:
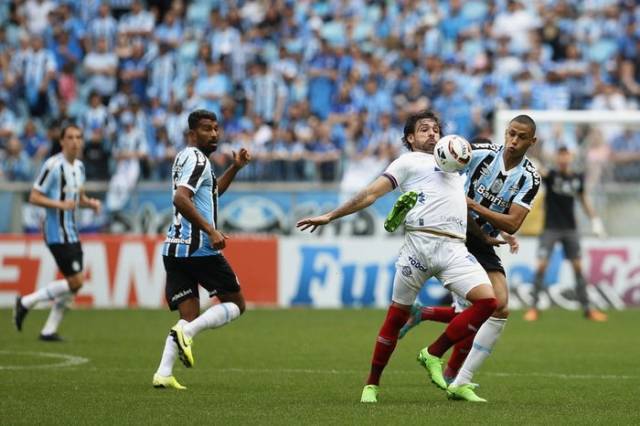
(303, 366)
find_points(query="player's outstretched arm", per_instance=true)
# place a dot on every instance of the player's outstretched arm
(39, 199)
(240, 159)
(509, 222)
(362, 200)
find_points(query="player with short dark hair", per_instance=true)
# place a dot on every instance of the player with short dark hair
(59, 189)
(563, 186)
(501, 185)
(192, 250)
(434, 246)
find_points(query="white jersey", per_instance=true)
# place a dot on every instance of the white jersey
(441, 206)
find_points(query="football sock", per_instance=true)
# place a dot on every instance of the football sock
(459, 354)
(464, 324)
(50, 292)
(169, 355)
(483, 344)
(438, 313)
(55, 315)
(214, 317)
(538, 284)
(581, 292)
(386, 342)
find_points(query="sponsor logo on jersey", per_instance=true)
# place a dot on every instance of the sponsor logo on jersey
(499, 201)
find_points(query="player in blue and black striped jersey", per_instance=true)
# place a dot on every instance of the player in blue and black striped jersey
(501, 186)
(192, 250)
(59, 189)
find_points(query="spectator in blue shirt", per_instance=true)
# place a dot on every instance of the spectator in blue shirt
(15, 164)
(322, 80)
(455, 110)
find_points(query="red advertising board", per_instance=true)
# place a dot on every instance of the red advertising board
(124, 271)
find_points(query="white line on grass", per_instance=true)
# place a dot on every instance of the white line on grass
(65, 360)
(498, 374)
(563, 376)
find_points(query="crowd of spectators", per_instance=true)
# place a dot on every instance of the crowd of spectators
(316, 89)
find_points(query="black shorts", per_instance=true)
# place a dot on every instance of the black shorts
(485, 254)
(184, 274)
(568, 238)
(68, 257)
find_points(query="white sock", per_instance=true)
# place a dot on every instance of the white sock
(214, 317)
(483, 344)
(50, 292)
(169, 355)
(56, 314)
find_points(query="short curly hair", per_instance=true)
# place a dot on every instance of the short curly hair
(412, 120)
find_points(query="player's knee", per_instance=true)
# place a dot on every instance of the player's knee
(75, 284)
(502, 311)
(241, 305)
(189, 316)
(487, 304)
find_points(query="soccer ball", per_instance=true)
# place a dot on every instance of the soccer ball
(452, 153)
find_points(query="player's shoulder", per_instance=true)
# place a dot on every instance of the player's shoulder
(529, 169)
(193, 154)
(479, 143)
(78, 164)
(53, 162)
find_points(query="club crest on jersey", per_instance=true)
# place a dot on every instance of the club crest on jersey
(406, 271)
(496, 186)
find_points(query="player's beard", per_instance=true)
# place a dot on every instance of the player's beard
(209, 147)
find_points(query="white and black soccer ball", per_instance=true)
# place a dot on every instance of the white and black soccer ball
(452, 153)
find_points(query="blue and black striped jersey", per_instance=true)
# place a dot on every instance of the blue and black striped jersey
(60, 180)
(489, 184)
(192, 170)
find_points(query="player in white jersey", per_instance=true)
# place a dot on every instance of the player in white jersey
(59, 189)
(434, 246)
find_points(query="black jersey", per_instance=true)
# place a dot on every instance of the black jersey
(561, 191)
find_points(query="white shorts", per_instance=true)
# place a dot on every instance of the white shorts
(424, 256)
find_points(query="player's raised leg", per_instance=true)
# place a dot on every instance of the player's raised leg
(427, 313)
(483, 303)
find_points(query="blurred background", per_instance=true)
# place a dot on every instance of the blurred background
(318, 91)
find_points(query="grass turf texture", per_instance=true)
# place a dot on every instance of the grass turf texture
(309, 366)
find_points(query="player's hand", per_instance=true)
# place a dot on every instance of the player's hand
(68, 205)
(242, 158)
(313, 222)
(471, 203)
(494, 242)
(597, 227)
(514, 244)
(217, 239)
(95, 205)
